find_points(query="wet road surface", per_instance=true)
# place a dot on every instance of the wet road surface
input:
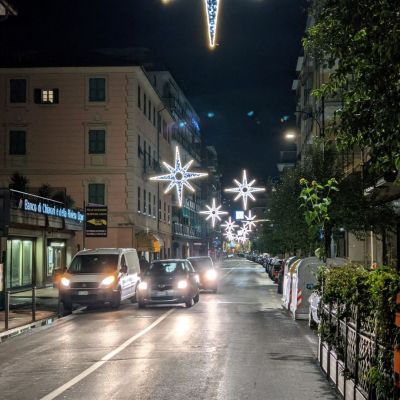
(237, 344)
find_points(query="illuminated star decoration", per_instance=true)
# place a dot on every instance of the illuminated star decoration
(245, 189)
(229, 225)
(249, 223)
(214, 213)
(212, 19)
(179, 176)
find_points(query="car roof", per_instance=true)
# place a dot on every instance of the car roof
(104, 251)
(199, 258)
(170, 260)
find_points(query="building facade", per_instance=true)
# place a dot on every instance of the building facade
(99, 132)
(189, 228)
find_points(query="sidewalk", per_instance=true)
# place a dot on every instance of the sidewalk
(20, 314)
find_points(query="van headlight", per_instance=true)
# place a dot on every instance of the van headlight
(211, 275)
(107, 281)
(142, 285)
(65, 282)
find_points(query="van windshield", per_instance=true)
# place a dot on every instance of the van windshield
(94, 264)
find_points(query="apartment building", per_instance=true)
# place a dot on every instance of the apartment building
(189, 228)
(99, 132)
(313, 118)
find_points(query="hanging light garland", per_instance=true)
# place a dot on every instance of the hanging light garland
(212, 9)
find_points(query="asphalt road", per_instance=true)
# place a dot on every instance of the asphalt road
(237, 344)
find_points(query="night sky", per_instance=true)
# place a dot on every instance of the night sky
(251, 69)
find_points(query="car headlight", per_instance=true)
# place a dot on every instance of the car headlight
(211, 275)
(142, 286)
(182, 284)
(108, 281)
(65, 282)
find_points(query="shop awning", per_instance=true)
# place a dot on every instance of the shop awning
(148, 241)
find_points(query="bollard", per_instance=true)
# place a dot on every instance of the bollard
(33, 303)
(6, 309)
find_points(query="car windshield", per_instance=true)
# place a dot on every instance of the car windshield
(167, 268)
(200, 264)
(94, 264)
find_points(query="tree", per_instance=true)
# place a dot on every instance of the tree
(361, 40)
(18, 182)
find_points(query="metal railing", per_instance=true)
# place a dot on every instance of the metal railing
(23, 306)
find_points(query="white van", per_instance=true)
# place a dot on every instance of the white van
(100, 276)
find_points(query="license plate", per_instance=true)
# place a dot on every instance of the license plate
(83, 293)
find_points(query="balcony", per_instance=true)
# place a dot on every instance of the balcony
(185, 231)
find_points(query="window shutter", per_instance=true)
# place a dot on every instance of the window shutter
(37, 96)
(55, 96)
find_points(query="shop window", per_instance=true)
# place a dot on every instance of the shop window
(96, 193)
(97, 89)
(19, 263)
(97, 141)
(17, 142)
(18, 90)
(55, 257)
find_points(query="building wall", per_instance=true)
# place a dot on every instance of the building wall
(57, 143)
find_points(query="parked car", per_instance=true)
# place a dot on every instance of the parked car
(274, 267)
(169, 282)
(208, 274)
(100, 276)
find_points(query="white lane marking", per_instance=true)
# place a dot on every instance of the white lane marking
(55, 393)
(223, 276)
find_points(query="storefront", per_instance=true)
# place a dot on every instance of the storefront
(150, 245)
(37, 237)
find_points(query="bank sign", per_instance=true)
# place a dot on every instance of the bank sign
(53, 210)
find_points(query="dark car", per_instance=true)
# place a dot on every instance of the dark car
(168, 282)
(207, 272)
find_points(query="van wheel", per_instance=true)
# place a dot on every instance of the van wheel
(67, 309)
(116, 301)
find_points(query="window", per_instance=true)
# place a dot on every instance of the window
(144, 202)
(169, 214)
(149, 203)
(139, 97)
(18, 143)
(154, 116)
(154, 206)
(154, 159)
(149, 115)
(149, 156)
(164, 129)
(138, 200)
(45, 96)
(165, 213)
(17, 90)
(97, 141)
(159, 210)
(138, 147)
(158, 122)
(144, 104)
(96, 193)
(97, 89)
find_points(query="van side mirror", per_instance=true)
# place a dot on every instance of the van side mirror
(124, 269)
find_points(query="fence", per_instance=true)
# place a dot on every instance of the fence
(349, 359)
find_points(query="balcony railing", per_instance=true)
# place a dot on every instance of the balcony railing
(186, 231)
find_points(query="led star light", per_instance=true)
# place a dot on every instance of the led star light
(214, 213)
(179, 176)
(249, 221)
(245, 189)
(229, 225)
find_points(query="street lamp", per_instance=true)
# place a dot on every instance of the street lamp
(290, 135)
